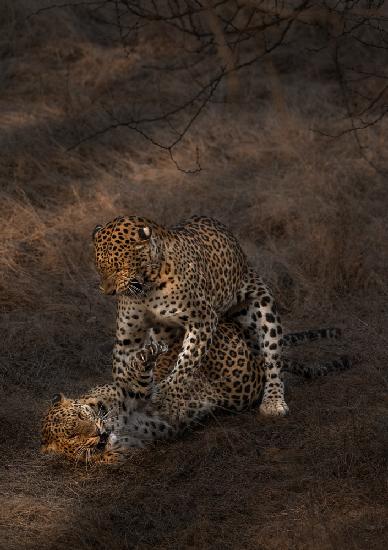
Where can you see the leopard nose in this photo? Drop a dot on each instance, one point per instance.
(108, 287)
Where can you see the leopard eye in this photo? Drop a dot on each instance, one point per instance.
(145, 233)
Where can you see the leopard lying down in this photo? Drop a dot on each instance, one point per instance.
(102, 425)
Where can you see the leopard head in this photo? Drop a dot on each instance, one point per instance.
(73, 429)
(125, 255)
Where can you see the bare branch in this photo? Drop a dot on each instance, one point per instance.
(212, 41)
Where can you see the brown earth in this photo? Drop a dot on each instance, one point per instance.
(312, 215)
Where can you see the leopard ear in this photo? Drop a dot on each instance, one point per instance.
(96, 230)
(57, 398)
(145, 233)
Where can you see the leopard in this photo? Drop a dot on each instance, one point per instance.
(105, 425)
(185, 278)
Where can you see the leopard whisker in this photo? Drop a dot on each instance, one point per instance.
(104, 415)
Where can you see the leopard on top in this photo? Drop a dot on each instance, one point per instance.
(186, 276)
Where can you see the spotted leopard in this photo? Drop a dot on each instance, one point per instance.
(187, 277)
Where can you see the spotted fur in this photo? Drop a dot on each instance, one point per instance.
(104, 424)
(187, 276)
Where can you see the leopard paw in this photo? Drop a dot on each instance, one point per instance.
(274, 407)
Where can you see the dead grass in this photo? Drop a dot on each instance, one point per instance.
(312, 215)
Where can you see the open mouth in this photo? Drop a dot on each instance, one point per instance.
(136, 288)
(104, 438)
(136, 285)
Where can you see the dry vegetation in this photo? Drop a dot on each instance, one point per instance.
(311, 212)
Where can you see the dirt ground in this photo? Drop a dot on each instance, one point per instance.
(312, 215)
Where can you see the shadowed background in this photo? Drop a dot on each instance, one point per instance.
(310, 211)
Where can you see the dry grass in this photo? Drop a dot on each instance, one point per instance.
(312, 215)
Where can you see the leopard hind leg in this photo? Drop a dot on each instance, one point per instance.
(256, 312)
